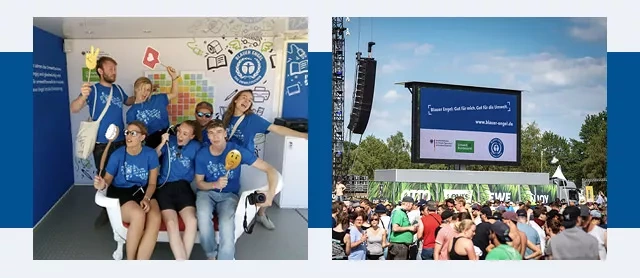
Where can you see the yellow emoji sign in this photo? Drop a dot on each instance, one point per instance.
(91, 58)
(232, 160)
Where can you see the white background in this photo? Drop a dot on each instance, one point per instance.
(173, 52)
(17, 246)
(481, 145)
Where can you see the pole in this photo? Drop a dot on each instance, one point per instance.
(541, 159)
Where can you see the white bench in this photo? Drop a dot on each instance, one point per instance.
(251, 180)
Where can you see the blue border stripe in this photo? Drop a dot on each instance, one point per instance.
(17, 141)
(320, 138)
(622, 153)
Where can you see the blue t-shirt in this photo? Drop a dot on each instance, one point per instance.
(153, 113)
(212, 167)
(182, 161)
(114, 113)
(131, 170)
(205, 138)
(532, 236)
(359, 252)
(251, 125)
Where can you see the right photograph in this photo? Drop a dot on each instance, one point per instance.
(469, 138)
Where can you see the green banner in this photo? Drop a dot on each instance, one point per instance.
(394, 191)
(94, 75)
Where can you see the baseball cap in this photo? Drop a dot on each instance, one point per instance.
(407, 199)
(497, 215)
(355, 204)
(432, 205)
(501, 230)
(510, 215)
(596, 214)
(552, 213)
(521, 213)
(584, 211)
(476, 207)
(421, 202)
(380, 208)
(571, 214)
(446, 214)
(486, 211)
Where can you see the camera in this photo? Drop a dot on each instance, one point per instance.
(256, 198)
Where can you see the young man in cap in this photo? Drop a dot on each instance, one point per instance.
(520, 241)
(530, 233)
(444, 235)
(431, 220)
(599, 233)
(573, 243)
(499, 235)
(401, 231)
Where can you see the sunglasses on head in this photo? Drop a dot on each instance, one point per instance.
(133, 133)
(206, 115)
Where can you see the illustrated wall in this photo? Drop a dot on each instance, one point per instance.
(212, 69)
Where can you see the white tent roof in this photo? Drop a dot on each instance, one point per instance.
(558, 174)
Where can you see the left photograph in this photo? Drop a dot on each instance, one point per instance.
(170, 138)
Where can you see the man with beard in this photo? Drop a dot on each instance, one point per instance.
(96, 97)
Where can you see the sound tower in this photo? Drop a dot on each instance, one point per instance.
(363, 97)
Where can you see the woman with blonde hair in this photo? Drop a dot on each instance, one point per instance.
(243, 125)
(461, 247)
(151, 109)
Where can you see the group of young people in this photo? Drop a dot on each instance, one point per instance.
(150, 171)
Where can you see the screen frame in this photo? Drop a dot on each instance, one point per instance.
(415, 88)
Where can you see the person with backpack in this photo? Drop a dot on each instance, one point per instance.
(340, 238)
(401, 231)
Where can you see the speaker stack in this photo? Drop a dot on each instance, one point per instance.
(363, 101)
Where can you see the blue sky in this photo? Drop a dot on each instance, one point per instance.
(559, 63)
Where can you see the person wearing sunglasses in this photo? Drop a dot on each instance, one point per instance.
(204, 115)
(151, 109)
(242, 126)
(131, 177)
(174, 195)
(219, 190)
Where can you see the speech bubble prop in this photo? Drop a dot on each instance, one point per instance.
(151, 58)
(91, 60)
(111, 134)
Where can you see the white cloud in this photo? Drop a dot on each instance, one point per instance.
(589, 29)
(417, 48)
(541, 71)
(392, 66)
(391, 96)
(558, 91)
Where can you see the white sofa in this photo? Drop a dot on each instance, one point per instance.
(251, 180)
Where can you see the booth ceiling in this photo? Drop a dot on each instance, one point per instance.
(171, 27)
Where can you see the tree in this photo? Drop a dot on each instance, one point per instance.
(583, 158)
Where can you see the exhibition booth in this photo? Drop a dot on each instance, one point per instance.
(206, 53)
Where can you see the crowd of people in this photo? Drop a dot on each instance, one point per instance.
(150, 169)
(457, 230)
